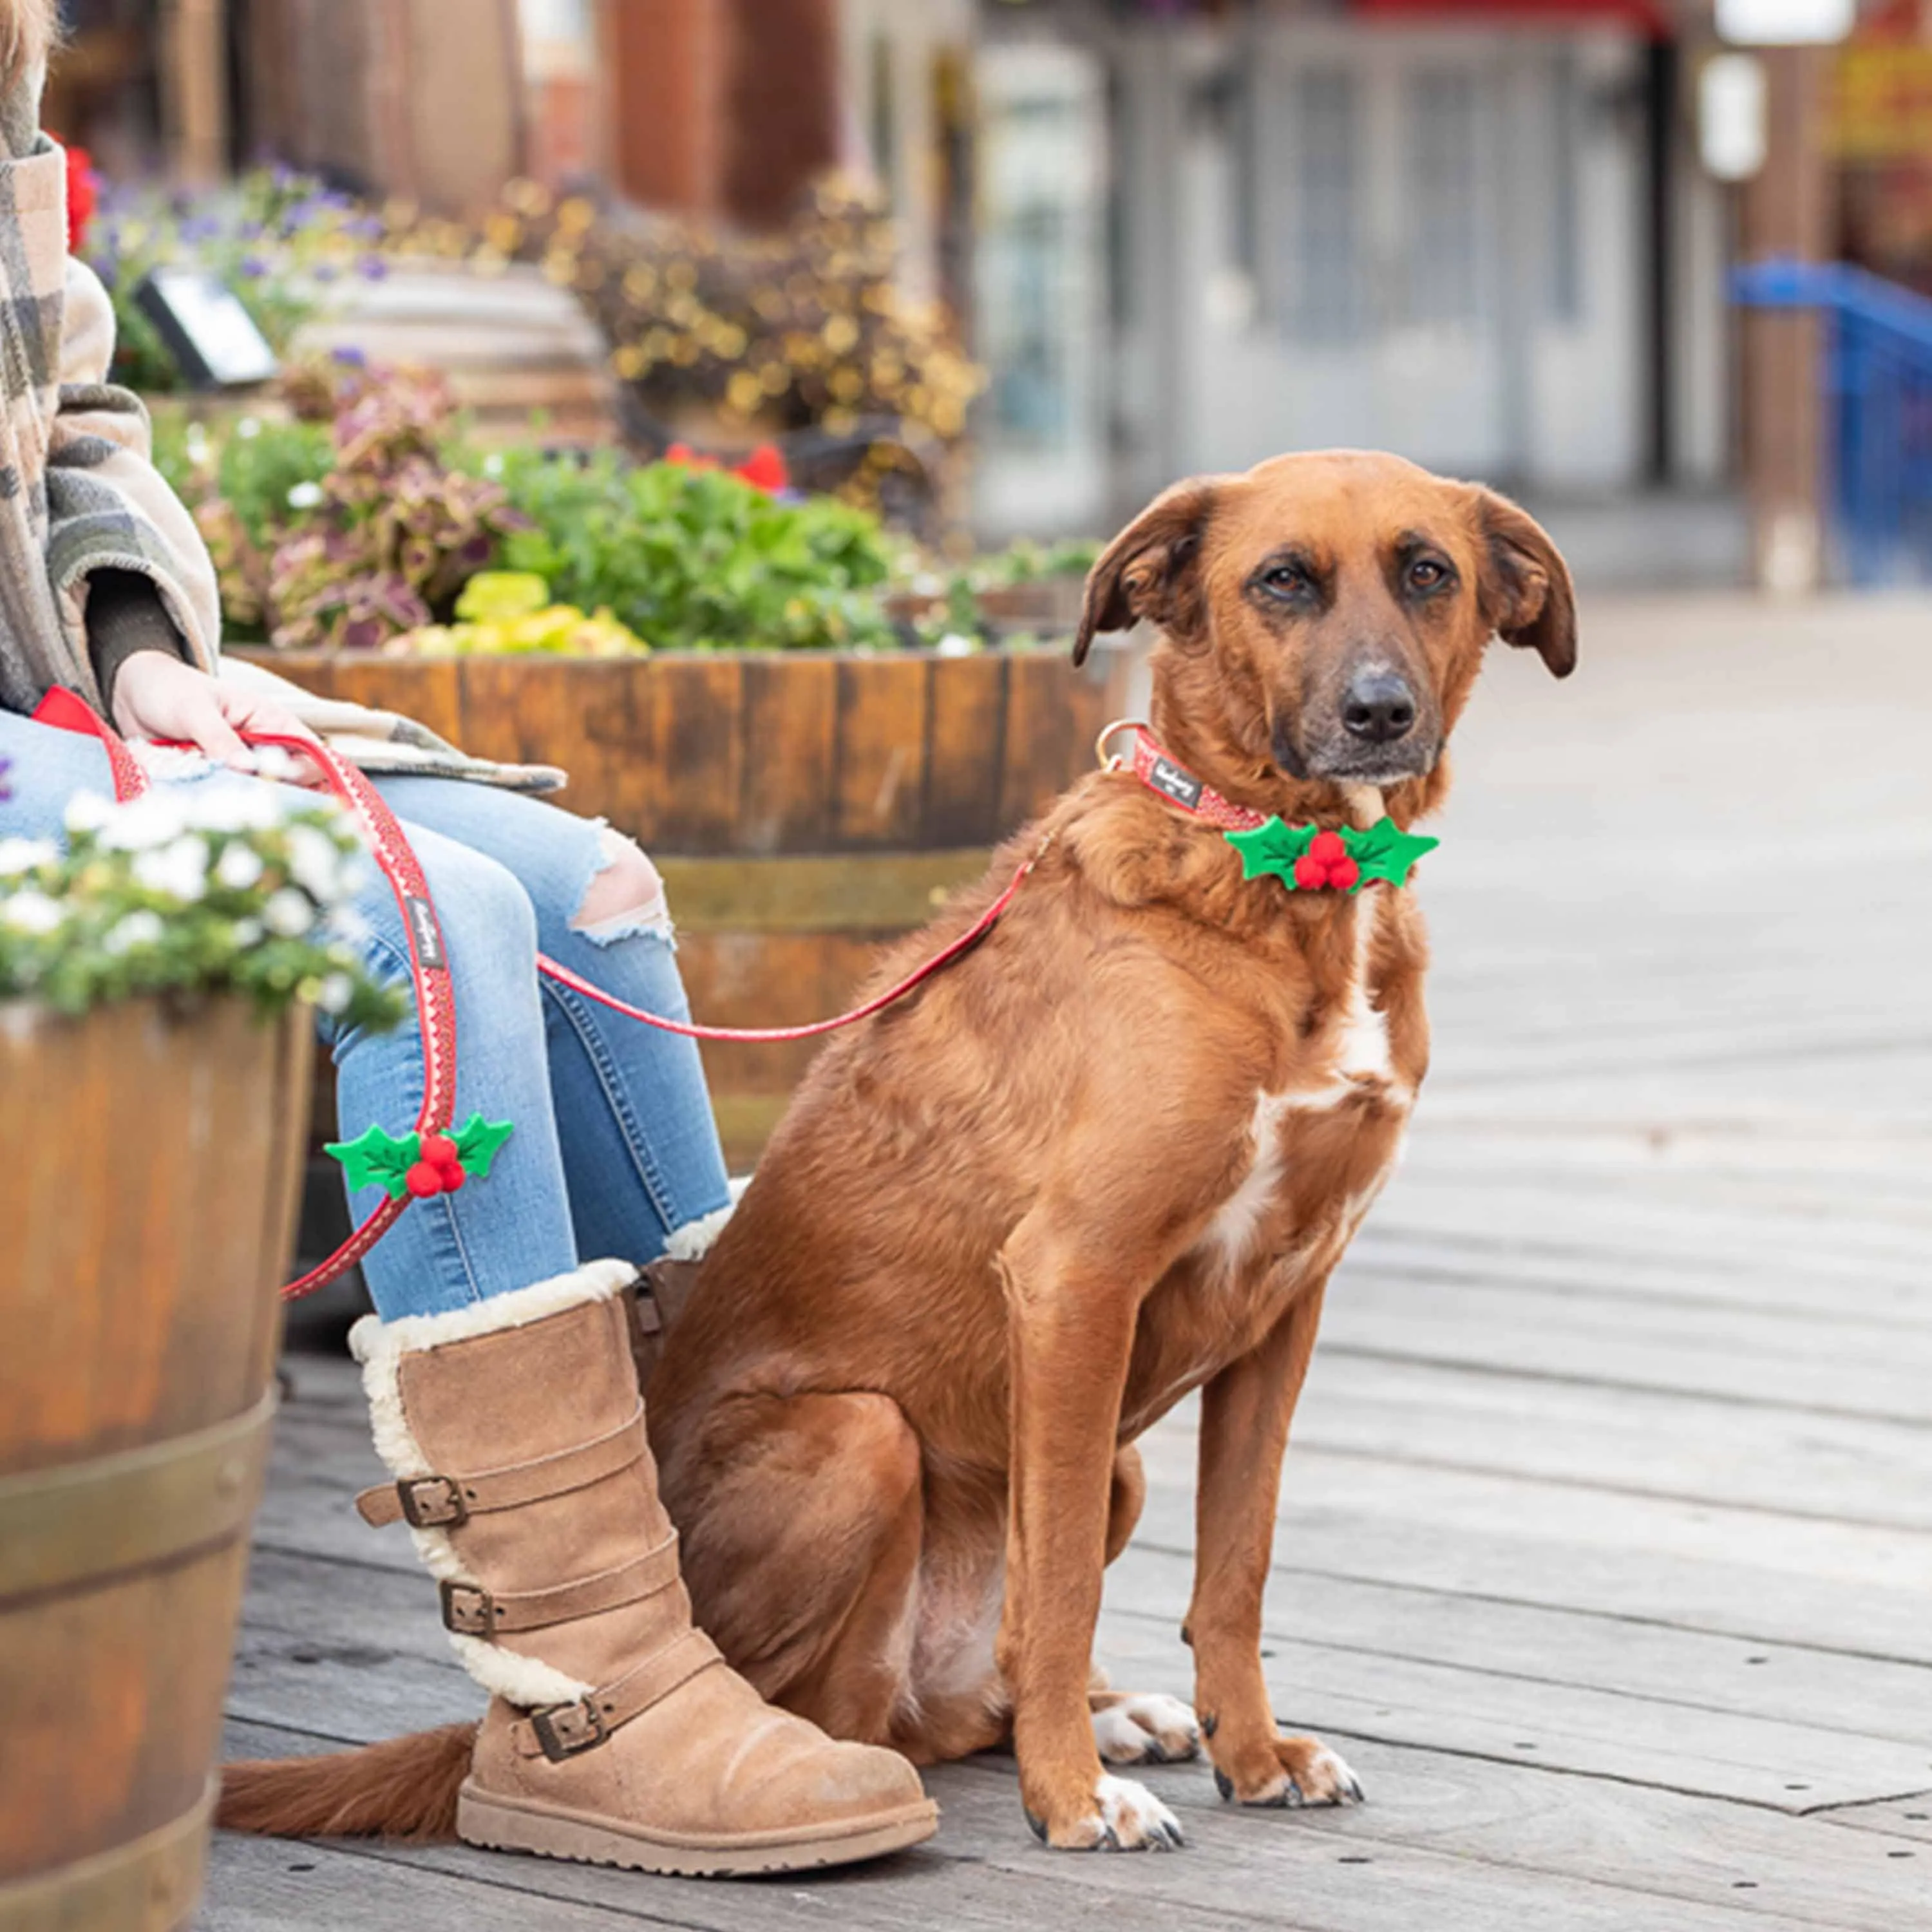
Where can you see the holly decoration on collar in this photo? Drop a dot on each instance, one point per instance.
(421, 1165)
(1307, 858)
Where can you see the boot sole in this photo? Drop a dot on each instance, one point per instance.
(503, 1824)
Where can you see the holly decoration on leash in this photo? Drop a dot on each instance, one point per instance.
(1307, 858)
(420, 1164)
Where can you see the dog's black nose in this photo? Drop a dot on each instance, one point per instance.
(1378, 707)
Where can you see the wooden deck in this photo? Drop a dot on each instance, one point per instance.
(1606, 1552)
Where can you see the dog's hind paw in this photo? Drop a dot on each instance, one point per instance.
(1146, 1729)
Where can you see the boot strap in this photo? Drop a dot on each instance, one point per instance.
(442, 1501)
(472, 1611)
(559, 1731)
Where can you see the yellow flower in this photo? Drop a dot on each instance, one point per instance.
(503, 232)
(575, 215)
(631, 361)
(743, 392)
(641, 282)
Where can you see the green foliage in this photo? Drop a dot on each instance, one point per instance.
(697, 559)
(189, 889)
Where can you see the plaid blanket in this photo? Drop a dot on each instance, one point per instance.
(77, 494)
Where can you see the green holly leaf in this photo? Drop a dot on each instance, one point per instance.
(1385, 851)
(377, 1160)
(1272, 848)
(477, 1142)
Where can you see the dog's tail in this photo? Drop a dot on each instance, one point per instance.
(405, 1788)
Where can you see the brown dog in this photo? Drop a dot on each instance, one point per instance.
(1109, 1159)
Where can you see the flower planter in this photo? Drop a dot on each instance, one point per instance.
(803, 807)
(149, 1161)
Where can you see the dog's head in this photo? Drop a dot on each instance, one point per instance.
(1325, 615)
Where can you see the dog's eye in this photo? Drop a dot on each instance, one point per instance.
(1426, 574)
(1283, 578)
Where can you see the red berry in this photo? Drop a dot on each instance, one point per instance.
(451, 1175)
(1328, 848)
(439, 1150)
(423, 1179)
(1343, 876)
(1310, 873)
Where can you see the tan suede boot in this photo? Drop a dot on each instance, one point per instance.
(616, 1733)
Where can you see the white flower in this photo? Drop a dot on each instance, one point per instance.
(155, 818)
(233, 807)
(197, 443)
(953, 645)
(347, 925)
(314, 863)
(248, 428)
(247, 932)
(305, 496)
(238, 867)
(335, 992)
(88, 812)
(493, 464)
(136, 928)
(180, 869)
(288, 912)
(22, 855)
(31, 912)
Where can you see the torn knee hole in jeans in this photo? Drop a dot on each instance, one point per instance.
(625, 898)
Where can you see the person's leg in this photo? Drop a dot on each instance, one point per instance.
(40, 769)
(640, 1147)
(498, 1233)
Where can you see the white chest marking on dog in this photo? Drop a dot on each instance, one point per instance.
(1365, 1040)
(1233, 1227)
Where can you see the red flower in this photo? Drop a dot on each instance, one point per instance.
(1326, 863)
(765, 469)
(83, 197)
(682, 454)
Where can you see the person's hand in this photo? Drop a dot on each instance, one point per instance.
(157, 696)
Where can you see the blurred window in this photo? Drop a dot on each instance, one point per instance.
(1322, 300)
(1566, 214)
(1442, 271)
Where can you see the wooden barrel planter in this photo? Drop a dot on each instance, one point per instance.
(803, 808)
(148, 1169)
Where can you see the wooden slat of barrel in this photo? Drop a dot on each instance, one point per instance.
(149, 1167)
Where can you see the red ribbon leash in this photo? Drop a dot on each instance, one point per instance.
(429, 957)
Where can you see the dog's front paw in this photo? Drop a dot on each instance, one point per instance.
(1146, 1729)
(1125, 1817)
(1288, 1772)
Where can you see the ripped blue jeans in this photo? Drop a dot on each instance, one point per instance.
(614, 1149)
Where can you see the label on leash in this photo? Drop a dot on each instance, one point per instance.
(1183, 786)
(423, 930)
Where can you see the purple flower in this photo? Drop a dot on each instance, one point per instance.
(254, 267)
(350, 357)
(200, 228)
(251, 231)
(326, 272)
(373, 268)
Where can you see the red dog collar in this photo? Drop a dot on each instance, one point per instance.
(1304, 858)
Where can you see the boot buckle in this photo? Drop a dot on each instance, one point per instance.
(565, 1729)
(431, 1502)
(466, 1610)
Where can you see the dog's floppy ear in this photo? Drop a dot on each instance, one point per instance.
(1527, 595)
(1143, 572)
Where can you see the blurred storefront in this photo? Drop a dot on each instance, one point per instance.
(1475, 235)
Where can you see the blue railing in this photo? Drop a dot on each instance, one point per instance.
(1877, 376)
